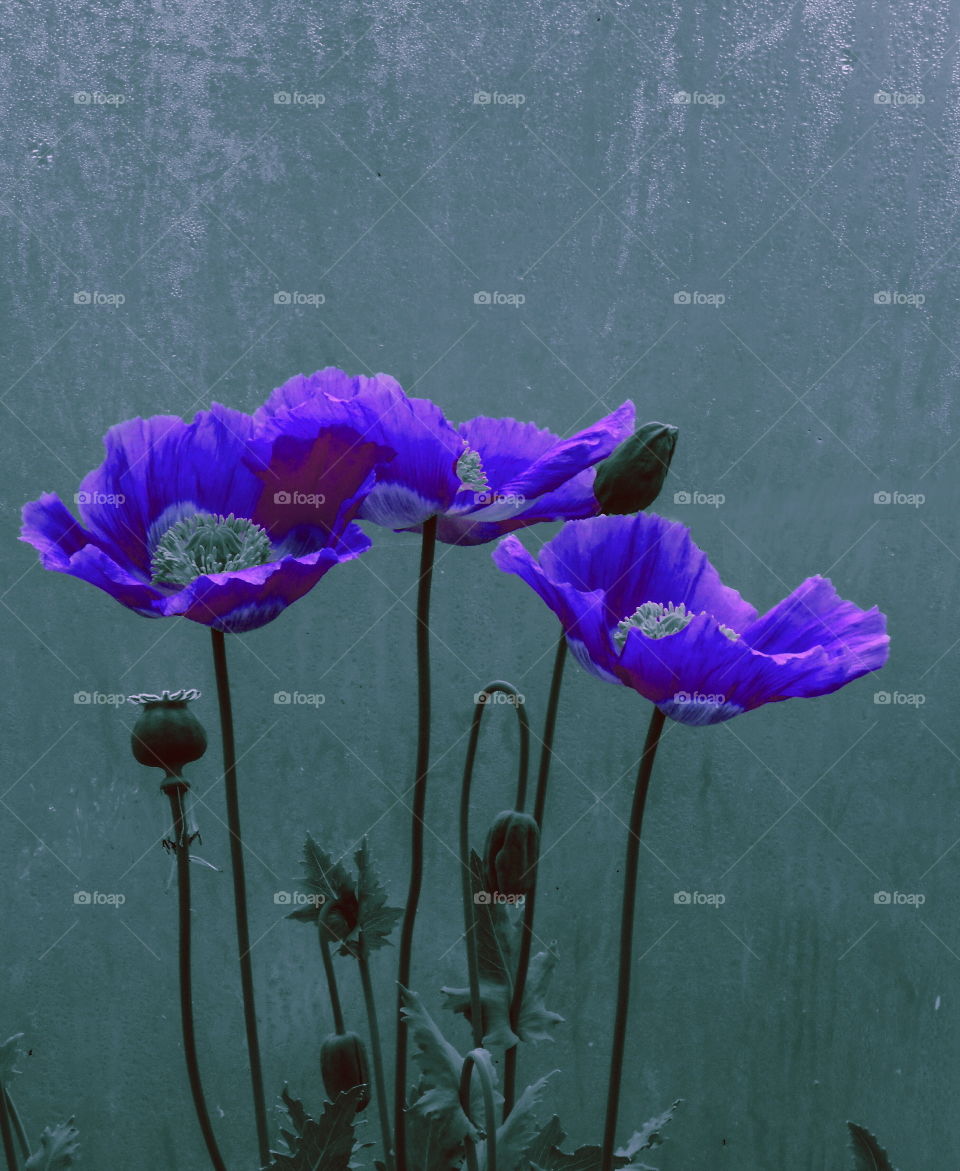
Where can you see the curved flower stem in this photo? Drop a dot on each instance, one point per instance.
(530, 903)
(7, 1132)
(323, 935)
(240, 891)
(466, 869)
(479, 1060)
(376, 1053)
(427, 550)
(626, 935)
(175, 789)
(17, 1125)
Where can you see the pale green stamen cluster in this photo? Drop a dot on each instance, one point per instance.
(654, 620)
(470, 470)
(203, 543)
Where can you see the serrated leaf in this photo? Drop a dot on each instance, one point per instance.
(440, 1065)
(427, 1146)
(323, 1144)
(520, 1129)
(10, 1054)
(322, 876)
(375, 920)
(649, 1136)
(867, 1153)
(58, 1148)
(498, 947)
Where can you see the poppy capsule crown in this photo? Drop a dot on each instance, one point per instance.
(167, 734)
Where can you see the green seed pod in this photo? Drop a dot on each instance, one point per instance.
(510, 853)
(167, 735)
(343, 1063)
(631, 477)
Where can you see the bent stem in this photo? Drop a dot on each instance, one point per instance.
(323, 935)
(427, 551)
(530, 903)
(479, 1059)
(240, 891)
(466, 867)
(376, 1053)
(175, 789)
(626, 935)
(7, 1132)
(17, 1125)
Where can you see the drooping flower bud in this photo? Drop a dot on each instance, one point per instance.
(631, 477)
(167, 734)
(343, 1063)
(510, 853)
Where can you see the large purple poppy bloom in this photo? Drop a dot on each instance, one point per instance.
(482, 479)
(642, 606)
(421, 481)
(210, 520)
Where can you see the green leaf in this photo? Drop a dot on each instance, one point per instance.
(322, 876)
(375, 920)
(428, 1146)
(867, 1153)
(323, 1144)
(649, 1136)
(58, 1148)
(440, 1065)
(518, 1132)
(10, 1054)
(498, 935)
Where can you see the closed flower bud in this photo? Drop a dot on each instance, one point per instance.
(167, 735)
(510, 853)
(343, 1063)
(631, 477)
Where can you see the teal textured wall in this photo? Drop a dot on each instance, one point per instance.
(783, 185)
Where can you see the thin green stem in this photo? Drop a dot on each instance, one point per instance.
(6, 1131)
(466, 868)
(175, 790)
(630, 867)
(240, 892)
(479, 1059)
(530, 903)
(427, 552)
(324, 936)
(376, 1054)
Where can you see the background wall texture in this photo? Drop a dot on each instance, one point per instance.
(798, 160)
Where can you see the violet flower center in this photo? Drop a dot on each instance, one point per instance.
(655, 620)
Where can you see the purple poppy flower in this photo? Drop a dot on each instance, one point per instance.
(210, 520)
(421, 481)
(515, 475)
(642, 606)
